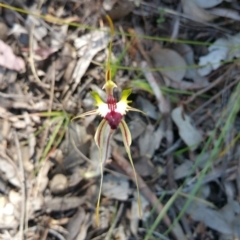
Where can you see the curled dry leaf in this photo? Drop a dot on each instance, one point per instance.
(9, 60)
(174, 63)
(189, 134)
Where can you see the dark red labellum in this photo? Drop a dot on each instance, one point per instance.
(113, 118)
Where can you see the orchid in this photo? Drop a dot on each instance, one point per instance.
(112, 112)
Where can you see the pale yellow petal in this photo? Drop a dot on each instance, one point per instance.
(127, 140)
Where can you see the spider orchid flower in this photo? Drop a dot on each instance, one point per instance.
(112, 112)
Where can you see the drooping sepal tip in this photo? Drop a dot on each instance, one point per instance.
(127, 140)
(102, 139)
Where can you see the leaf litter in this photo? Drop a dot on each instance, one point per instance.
(183, 150)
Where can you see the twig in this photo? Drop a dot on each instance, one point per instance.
(146, 191)
(23, 189)
(109, 234)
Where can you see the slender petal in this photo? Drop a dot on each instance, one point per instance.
(127, 140)
(92, 112)
(135, 110)
(102, 138)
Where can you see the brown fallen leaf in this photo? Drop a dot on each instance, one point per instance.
(9, 60)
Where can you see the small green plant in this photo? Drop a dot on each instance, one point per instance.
(162, 15)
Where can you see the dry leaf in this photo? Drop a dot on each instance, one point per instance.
(75, 223)
(150, 141)
(191, 73)
(212, 61)
(191, 8)
(147, 107)
(189, 134)
(9, 60)
(226, 13)
(115, 187)
(222, 49)
(183, 170)
(144, 167)
(208, 3)
(163, 104)
(174, 63)
(224, 221)
(88, 46)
